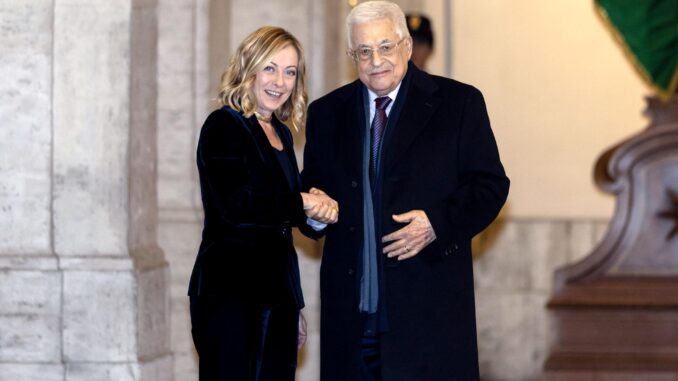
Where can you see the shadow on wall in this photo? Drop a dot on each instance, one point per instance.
(306, 246)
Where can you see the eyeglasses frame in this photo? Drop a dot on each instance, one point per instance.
(353, 53)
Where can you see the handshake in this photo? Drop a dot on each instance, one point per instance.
(320, 207)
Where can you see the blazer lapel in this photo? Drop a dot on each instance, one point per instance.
(263, 147)
(418, 107)
(261, 141)
(266, 151)
(288, 144)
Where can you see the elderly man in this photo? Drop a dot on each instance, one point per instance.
(414, 166)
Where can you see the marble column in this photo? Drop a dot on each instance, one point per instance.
(83, 284)
(30, 283)
(183, 100)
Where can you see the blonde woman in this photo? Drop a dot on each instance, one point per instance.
(245, 292)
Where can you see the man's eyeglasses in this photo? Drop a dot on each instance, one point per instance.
(365, 53)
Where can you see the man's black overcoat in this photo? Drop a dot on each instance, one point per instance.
(439, 156)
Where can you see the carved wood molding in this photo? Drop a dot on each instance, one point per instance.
(616, 311)
(642, 172)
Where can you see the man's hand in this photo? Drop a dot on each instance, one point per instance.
(320, 207)
(411, 239)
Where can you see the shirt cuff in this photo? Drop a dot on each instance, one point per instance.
(315, 225)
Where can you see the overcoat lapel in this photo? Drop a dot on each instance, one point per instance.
(420, 105)
(351, 133)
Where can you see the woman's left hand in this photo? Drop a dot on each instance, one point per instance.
(301, 340)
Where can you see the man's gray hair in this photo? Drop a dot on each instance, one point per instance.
(376, 10)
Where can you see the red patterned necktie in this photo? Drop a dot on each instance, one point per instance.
(378, 125)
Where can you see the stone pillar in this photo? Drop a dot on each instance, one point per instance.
(179, 106)
(83, 284)
(30, 283)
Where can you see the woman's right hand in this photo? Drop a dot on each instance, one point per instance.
(320, 207)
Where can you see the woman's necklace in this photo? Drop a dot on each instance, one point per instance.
(263, 118)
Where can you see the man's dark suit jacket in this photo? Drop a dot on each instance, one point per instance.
(246, 251)
(439, 156)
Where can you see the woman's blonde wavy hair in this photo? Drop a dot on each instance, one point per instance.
(253, 54)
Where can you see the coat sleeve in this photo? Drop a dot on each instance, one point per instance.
(483, 185)
(311, 174)
(236, 188)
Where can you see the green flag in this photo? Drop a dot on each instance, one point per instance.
(648, 32)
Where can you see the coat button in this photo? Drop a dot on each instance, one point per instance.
(452, 249)
(351, 229)
(350, 272)
(354, 184)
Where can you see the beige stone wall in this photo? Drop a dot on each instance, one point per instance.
(83, 285)
(182, 72)
(559, 92)
(513, 266)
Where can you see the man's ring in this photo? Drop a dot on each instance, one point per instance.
(407, 249)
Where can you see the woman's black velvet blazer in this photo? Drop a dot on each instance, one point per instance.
(246, 251)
